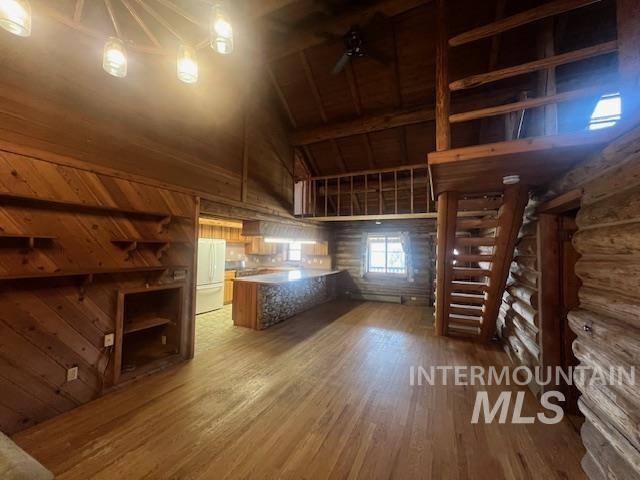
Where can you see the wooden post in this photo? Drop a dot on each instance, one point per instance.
(547, 79)
(411, 189)
(446, 237)
(443, 95)
(629, 58)
(395, 192)
(315, 198)
(338, 179)
(326, 197)
(366, 194)
(245, 160)
(351, 196)
(549, 292)
(380, 206)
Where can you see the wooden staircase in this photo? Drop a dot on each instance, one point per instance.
(473, 259)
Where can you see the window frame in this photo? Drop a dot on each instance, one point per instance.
(601, 122)
(397, 238)
(289, 250)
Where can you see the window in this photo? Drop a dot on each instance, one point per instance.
(385, 255)
(607, 112)
(295, 252)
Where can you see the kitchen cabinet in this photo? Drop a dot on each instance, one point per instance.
(229, 275)
(319, 249)
(257, 246)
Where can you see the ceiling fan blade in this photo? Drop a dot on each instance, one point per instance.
(341, 64)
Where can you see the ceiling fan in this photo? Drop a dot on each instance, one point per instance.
(359, 42)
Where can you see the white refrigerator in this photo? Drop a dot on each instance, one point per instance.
(210, 275)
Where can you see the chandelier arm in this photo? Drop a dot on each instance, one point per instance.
(112, 15)
(176, 9)
(78, 10)
(141, 23)
(160, 19)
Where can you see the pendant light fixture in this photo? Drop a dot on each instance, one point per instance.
(114, 59)
(15, 17)
(221, 31)
(187, 64)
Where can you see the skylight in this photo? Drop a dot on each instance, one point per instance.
(607, 112)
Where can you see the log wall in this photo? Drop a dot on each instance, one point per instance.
(347, 251)
(517, 323)
(52, 323)
(607, 321)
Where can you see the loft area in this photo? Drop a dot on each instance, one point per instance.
(243, 239)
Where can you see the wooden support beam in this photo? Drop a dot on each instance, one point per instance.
(628, 12)
(544, 11)
(510, 218)
(161, 20)
(262, 8)
(446, 236)
(532, 103)
(245, 159)
(366, 124)
(490, 77)
(443, 95)
(315, 34)
(112, 16)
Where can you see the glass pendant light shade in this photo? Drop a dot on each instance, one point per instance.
(114, 59)
(221, 31)
(187, 64)
(15, 17)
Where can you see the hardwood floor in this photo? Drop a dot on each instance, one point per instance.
(322, 395)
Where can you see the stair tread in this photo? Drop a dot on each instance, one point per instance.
(467, 307)
(467, 282)
(469, 295)
(471, 269)
(458, 316)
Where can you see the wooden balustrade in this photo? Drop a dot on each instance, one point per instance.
(391, 192)
(547, 98)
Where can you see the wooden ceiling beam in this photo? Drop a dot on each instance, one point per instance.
(112, 16)
(363, 125)
(160, 19)
(544, 11)
(184, 14)
(261, 8)
(314, 35)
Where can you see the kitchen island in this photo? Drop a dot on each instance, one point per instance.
(260, 301)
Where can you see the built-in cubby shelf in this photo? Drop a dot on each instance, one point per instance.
(148, 328)
(144, 322)
(132, 244)
(89, 272)
(56, 203)
(29, 239)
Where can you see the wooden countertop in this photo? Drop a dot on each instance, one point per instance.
(282, 278)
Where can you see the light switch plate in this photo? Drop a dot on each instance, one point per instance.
(109, 339)
(72, 374)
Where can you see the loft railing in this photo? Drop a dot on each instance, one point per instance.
(548, 97)
(401, 192)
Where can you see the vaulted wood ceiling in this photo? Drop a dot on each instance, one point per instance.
(375, 115)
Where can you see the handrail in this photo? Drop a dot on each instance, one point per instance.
(554, 61)
(532, 103)
(362, 173)
(543, 11)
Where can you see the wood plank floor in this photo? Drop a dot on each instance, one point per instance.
(322, 395)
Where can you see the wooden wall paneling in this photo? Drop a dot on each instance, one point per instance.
(628, 12)
(49, 325)
(443, 95)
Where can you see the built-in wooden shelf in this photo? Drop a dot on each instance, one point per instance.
(145, 322)
(132, 244)
(89, 272)
(56, 203)
(31, 239)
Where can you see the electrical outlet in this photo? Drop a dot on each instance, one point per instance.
(109, 339)
(72, 374)
(179, 274)
(164, 339)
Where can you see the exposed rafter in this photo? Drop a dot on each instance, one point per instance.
(316, 34)
(141, 23)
